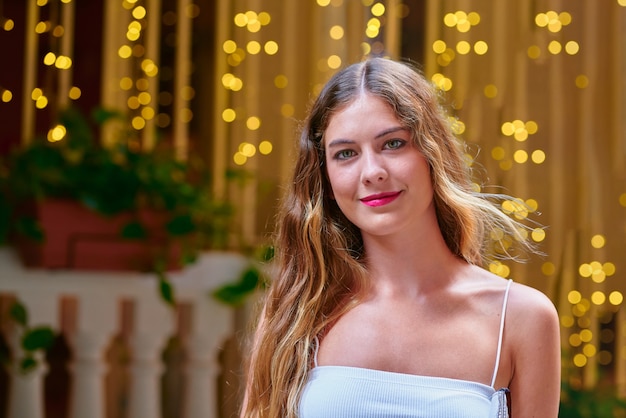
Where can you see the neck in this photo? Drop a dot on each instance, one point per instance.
(411, 263)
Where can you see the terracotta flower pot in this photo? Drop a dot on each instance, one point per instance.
(79, 238)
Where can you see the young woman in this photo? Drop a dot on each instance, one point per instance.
(380, 308)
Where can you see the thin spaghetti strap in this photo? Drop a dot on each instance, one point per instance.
(317, 347)
(500, 336)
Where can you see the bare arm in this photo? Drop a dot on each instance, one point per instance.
(536, 355)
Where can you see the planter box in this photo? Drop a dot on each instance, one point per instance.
(79, 238)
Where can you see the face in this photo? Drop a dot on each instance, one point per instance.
(379, 179)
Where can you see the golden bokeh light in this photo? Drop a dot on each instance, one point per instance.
(239, 158)
(598, 298)
(490, 91)
(439, 46)
(598, 241)
(75, 93)
(287, 110)
(271, 47)
(538, 234)
(589, 350)
(574, 340)
(58, 31)
(481, 47)
(574, 297)
(229, 115)
(147, 113)
(548, 268)
(57, 133)
(8, 25)
(498, 153)
(149, 67)
(463, 47)
(378, 9)
(41, 102)
(144, 98)
(538, 156)
(187, 93)
(533, 52)
(229, 46)
(253, 123)
(63, 63)
(572, 47)
(520, 156)
(133, 102)
(247, 149)
(497, 267)
(186, 115)
(336, 32)
(125, 51)
(138, 123)
(7, 96)
(265, 147)
(555, 47)
(334, 62)
(281, 81)
(582, 81)
(609, 268)
(49, 59)
(253, 47)
(139, 12)
(616, 298)
(142, 84)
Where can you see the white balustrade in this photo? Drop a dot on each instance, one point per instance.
(99, 297)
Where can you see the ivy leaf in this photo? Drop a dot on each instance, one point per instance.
(165, 287)
(167, 292)
(30, 228)
(38, 338)
(234, 294)
(19, 314)
(181, 225)
(134, 230)
(267, 253)
(27, 364)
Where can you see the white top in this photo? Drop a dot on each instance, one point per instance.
(353, 392)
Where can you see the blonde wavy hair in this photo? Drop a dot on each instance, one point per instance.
(320, 255)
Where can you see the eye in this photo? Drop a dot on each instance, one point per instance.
(394, 144)
(344, 154)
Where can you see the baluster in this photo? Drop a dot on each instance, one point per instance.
(202, 367)
(153, 324)
(96, 323)
(26, 389)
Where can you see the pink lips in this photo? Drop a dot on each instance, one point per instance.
(380, 199)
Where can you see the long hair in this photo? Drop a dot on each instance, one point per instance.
(320, 253)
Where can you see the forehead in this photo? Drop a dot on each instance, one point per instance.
(366, 113)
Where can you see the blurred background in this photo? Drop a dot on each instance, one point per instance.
(535, 88)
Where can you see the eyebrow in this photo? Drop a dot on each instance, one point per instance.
(343, 141)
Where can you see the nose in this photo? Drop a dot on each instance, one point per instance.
(373, 169)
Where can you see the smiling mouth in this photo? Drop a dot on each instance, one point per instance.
(380, 199)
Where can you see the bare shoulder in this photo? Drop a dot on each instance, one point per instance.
(533, 348)
(534, 322)
(529, 307)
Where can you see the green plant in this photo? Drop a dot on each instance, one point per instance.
(73, 164)
(598, 402)
(251, 279)
(33, 339)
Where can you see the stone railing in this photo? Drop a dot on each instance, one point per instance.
(98, 298)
